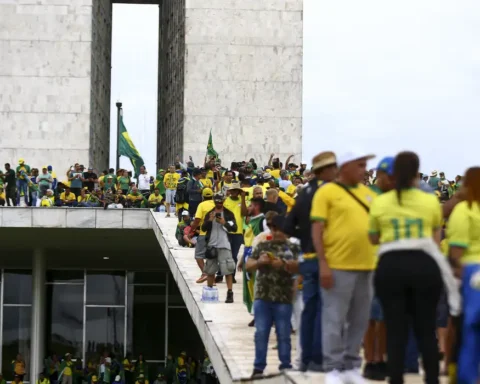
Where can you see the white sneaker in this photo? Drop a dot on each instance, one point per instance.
(334, 377)
(354, 376)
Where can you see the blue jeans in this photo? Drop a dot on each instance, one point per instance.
(22, 186)
(411, 353)
(34, 198)
(311, 328)
(268, 313)
(469, 358)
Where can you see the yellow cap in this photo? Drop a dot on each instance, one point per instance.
(94, 378)
(21, 161)
(207, 192)
(44, 167)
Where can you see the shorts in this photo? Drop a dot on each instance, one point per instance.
(376, 311)
(201, 247)
(223, 263)
(170, 196)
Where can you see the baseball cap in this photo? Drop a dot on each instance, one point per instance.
(219, 197)
(207, 192)
(44, 167)
(185, 213)
(350, 156)
(386, 165)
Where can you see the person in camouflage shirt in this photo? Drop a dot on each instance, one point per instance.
(276, 261)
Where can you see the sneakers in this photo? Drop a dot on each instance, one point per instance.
(374, 371)
(202, 278)
(229, 296)
(334, 377)
(354, 376)
(257, 374)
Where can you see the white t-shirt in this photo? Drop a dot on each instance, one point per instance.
(143, 181)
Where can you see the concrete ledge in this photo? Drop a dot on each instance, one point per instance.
(27, 217)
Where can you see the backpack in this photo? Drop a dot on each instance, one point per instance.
(181, 195)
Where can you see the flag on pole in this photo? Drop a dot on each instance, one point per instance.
(210, 150)
(127, 148)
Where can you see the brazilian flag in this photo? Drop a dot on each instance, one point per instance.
(127, 148)
(210, 150)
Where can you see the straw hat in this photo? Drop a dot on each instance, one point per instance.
(323, 159)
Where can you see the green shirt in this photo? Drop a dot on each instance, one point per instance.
(160, 185)
(124, 182)
(23, 168)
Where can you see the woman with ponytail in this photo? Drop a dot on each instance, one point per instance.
(406, 222)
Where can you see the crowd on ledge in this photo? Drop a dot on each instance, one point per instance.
(78, 186)
(110, 369)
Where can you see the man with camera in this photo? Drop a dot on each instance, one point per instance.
(217, 224)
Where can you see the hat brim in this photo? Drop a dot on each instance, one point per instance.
(362, 157)
(324, 163)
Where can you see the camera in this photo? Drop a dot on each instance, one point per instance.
(218, 215)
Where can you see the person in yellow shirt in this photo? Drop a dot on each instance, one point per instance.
(3, 198)
(170, 181)
(463, 229)
(346, 262)
(408, 281)
(206, 182)
(42, 379)
(155, 200)
(203, 208)
(236, 203)
(67, 198)
(19, 367)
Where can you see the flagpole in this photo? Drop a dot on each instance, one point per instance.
(119, 112)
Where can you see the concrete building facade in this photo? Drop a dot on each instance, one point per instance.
(230, 66)
(55, 60)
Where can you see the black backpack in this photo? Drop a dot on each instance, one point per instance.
(181, 196)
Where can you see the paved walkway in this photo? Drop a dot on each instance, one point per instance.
(223, 327)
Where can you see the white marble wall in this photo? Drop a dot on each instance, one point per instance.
(244, 78)
(18, 217)
(45, 86)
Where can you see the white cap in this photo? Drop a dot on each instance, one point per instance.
(350, 156)
(185, 213)
(117, 378)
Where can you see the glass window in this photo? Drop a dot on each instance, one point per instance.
(146, 321)
(16, 338)
(106, 288)
(154, 277)
(65, 319)
(174, 295)
(74, 277)
(17, 286)
(104, 331)
(183, 334)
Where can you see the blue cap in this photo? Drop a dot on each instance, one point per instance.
(386, 165)
(49, 167)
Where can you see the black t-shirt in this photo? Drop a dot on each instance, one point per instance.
(89, 184)
(10, 177)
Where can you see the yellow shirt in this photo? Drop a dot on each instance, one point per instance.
(203, 208)
(462, 231)
(287, 200)
(70, 197)
(68, 369)
(171, 180)
(249, 195)
(417, 216)
(155, 199)
(2, 196)
(345, 239)
(291, 190)
(235, 206)
(275, 173)
(207, 183)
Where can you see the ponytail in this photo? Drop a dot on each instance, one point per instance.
(405, 171)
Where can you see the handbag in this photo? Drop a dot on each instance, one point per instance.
(211, 253)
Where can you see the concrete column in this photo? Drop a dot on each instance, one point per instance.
(37, 348)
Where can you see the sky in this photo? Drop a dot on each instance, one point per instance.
(379, 77)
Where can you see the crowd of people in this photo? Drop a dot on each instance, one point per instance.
(316, 247)
(352, 257)
(109, 369)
